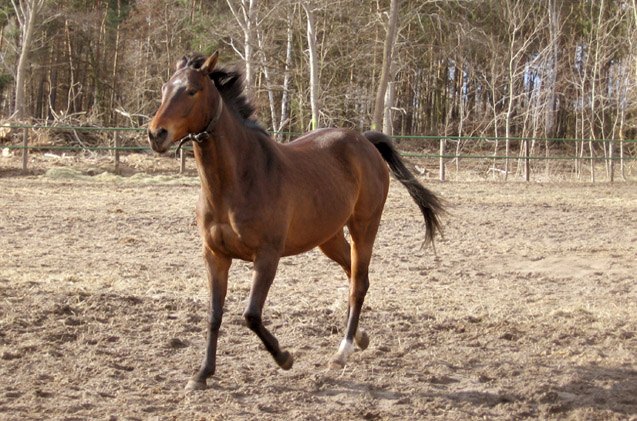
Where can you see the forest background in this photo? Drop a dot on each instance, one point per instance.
(540, 69)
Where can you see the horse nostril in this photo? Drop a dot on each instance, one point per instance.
(157, 135)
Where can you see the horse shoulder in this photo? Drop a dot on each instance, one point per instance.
(239, 228)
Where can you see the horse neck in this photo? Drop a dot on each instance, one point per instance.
(230, 153)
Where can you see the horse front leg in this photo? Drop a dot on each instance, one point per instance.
(265, 266)
(217, 268)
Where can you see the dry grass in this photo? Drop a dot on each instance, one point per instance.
(528, 311)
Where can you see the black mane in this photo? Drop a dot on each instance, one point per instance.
(230, 82)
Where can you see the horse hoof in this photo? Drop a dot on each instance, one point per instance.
(337, 364)
(285, 361)
(362, 339)
(195, 385)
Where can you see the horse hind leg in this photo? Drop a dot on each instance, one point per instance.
(363, 236)
(338, 249)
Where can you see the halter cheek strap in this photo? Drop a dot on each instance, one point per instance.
(202, 136)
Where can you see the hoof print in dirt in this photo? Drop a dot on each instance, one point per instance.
(176, 343)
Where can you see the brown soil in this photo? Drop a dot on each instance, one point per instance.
(529, 309)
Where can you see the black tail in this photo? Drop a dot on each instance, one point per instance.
(430, 205)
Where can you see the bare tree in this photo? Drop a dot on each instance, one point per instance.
(314, 68)
(518, 48)
(452, 67)
(388, 49)
(632, 35)
(554, 33)
(27, 12)
(245, 15)
(285, 96)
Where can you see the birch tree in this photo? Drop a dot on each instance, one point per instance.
(285, 96)
(336, 62)
(314, 68)
(27, 13)
(245, 15)
(388, 49)
(518, 48)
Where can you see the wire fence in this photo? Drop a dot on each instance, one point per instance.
(585, 155)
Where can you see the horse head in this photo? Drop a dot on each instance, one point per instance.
(186, 104)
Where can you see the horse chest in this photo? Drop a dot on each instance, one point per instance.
(223, 238)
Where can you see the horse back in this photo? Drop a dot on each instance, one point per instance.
(332, 175)
(336, 157)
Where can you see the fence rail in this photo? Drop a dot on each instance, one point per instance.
(523, 154)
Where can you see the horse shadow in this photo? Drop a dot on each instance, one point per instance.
(603, 389)
(611, 389)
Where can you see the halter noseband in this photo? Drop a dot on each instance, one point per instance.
(202, 136)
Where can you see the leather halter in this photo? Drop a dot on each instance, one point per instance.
(202, 136)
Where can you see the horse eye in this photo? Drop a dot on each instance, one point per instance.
(191, 92)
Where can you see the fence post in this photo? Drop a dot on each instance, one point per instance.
(611, 152)
(442, 158)
(527, 166)
(25, 149)
(116, 143)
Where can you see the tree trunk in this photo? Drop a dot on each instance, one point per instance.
(247, 21)
(388, 48)
(285, 96)
(389, 103)
(1, 37)
(461, 98)
(314, 79)
(509, 112)
(593, 90)
(496, 133)
(71, 95)
(551, 110)
(269, 86)
(248, 43)
(26, 12)
(115, 63)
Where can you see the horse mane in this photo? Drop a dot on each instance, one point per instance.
(230, 83)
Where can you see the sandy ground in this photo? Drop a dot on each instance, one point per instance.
(529, 309)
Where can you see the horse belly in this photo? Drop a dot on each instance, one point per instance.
(313, 226)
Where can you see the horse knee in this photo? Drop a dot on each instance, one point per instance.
(214, 323)
(363, 285)
(214, 320)
(253, 321)
(359, 289)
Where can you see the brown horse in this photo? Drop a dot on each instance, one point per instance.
(261, 200)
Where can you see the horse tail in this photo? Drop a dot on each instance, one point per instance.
(430, 205)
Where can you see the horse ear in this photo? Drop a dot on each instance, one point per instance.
(210, 63)
(181, 63)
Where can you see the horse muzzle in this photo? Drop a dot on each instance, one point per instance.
(159, 139)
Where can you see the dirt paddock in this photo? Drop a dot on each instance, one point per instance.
(529, 309)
